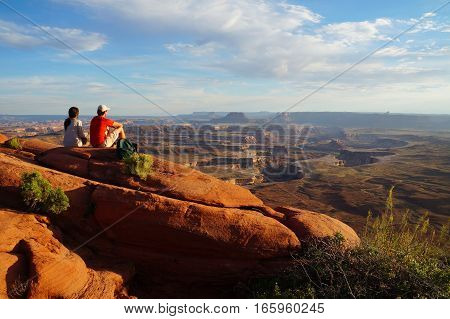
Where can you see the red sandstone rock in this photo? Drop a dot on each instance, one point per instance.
(309, 225)
(35, 146)
(3, 138)
(11, 169)
(184, 233)
(27, 156)
(68, 164)
(161, 224)
(53, 271)
(196, 242)
(238, 231)
(12, 272)
(169, 179)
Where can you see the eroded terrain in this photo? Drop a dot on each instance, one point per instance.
(344, 172)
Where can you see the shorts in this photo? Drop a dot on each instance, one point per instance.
(111, 138)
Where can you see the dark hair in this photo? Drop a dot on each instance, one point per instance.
(100, 113)
(73, 113)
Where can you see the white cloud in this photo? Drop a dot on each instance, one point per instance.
(261, 38)
(429, 15)
(357, 32)
(428, 25)
(276, 42)
(425, 51)
(97, 87)
(183, 96)
(27, 36)
(207, 16)
(392, 51)
(194, 49)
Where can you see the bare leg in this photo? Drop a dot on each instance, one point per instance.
(122, 133)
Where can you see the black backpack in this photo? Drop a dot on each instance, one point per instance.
(125, 148)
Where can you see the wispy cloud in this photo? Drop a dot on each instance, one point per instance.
(256, 37)
(26, 36)
(264, 38)
(393, 51)
(352, 33)
(193, 54)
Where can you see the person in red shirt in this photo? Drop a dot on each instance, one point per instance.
(105, 132)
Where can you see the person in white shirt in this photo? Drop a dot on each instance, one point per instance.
(74, 135)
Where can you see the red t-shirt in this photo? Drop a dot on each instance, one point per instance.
(99, 124)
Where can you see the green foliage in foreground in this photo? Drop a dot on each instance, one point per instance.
(39, 195)
(13, 143)
(396, 259)
(139, 165)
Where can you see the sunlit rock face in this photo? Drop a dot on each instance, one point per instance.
(179, 225)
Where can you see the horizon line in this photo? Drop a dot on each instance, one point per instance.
(252, 112)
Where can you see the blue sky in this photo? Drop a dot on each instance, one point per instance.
(224, 55)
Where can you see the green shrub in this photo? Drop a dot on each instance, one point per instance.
(139, 165)
(13, 143)
(396, 259)
(39, 195)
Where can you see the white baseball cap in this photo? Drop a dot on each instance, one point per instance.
(103, 108)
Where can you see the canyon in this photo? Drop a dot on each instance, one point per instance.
(179, 233)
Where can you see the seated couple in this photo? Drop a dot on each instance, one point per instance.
(103, 131)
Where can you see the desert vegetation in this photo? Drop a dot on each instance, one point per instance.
(139, 165)
(39, 195)
(13, 143)
(396, 259)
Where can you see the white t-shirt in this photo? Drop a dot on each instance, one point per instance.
(74, 134)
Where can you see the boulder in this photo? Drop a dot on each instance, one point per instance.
(35, 146)
(168, 179)
(164, 225)
(309, 226)
(52, 270)
(68, 164)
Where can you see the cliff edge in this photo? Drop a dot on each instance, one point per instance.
(185, 233)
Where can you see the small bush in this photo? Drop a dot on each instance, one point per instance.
(39, 195)
(396, 259)
(13, 143)
(139, 165)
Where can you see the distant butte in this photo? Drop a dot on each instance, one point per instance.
(233, 118)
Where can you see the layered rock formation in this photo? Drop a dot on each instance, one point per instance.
(314, 226)
(179, 226)
(169, 179)
(351, 158)
(275, 172)
(356, 158)
(34, 264)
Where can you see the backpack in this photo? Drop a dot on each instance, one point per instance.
(125, 148)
